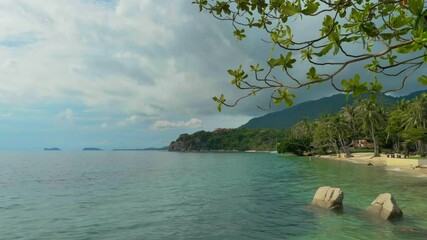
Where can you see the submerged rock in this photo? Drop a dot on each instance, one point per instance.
(328, 197)
(385, 207)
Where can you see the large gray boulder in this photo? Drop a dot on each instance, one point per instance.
(385, 207)
(328, 197)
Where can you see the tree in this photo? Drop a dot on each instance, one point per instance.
(349, 113)
(395, 127)
(415, 122)
(299, 140)
(372, 117)
(323, 136)
(387, 37)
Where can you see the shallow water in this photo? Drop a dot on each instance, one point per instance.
(162, 195)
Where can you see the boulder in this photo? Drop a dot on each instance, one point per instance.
(385, 207)
(328, 197)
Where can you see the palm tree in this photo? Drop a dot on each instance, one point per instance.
(349, 113)
(415, 121)
(371, 116)
(323, 136)
(340, 127)
(395, 127)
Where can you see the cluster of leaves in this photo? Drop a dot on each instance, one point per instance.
(388, 38)
(230, 140)
(406, 128)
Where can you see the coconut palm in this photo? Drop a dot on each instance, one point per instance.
(349, 113)
(340, 127)
(395, 127)
(372, 117)
(415, 122)
(323, 135)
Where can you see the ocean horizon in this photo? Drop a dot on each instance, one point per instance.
(170, 195)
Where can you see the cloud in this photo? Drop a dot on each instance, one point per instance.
(192, 123)
(66, 115)
(130, 120)
(127, 63)
(147, 58)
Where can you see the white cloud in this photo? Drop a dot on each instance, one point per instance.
(67, 115)
(126, 56)
(192, 123)
(130, 120)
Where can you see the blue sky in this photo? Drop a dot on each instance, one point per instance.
(118, 74)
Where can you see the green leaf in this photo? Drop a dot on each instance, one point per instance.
(289, 102)
(219, 107)
(423, 80)
(407, 48)
(275, 37)
(370, 29)
(350, 39)
(239, 34)
(360, 89)
(289, 9)
(325, 50)
(311, 8)
(312, 74)
(416, 6)
(277, 100)
(387, 36)
(376, 86)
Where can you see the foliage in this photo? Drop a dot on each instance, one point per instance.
(372, 117)
(299, 139)
(229, 140)
(387, 38)
(403, 127)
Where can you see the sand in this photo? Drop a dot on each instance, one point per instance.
(366, 158)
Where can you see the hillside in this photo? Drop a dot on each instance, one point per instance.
(311, 110)
(228, 140)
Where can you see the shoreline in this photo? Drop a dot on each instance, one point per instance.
(365, 158)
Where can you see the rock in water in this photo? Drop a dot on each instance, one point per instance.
(328, 197)
(385, 207)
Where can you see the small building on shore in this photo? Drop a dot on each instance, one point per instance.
(363, 143)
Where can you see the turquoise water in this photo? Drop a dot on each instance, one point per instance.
(162, 195)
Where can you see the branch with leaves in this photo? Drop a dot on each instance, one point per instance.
(390, 37)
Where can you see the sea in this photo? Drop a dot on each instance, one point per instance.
(169, 195)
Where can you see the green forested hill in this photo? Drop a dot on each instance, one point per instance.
(229, 140)
(263, 133)
(312, 110)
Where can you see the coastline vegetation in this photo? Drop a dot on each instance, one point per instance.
(229, 140)
(398, 129)
(365, 125)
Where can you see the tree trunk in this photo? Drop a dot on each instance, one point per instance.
(344, 147)
(376, 150)
(335, 146)
(421, 148)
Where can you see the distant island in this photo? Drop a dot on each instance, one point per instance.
(91, 149)
(52, 149)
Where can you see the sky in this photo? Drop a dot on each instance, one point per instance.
(120, 73)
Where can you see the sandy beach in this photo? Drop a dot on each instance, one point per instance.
(366, 158)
